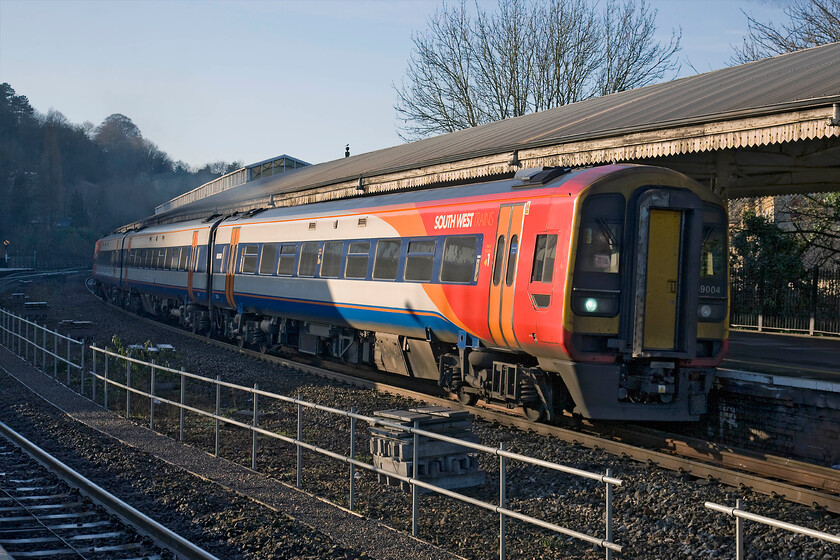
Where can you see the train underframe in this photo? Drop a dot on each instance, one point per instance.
(544, 388)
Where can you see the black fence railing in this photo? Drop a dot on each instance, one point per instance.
(36, 262)
(810, 304)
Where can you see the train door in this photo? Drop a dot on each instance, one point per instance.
(669, 237)
(503, 282)
(663, 279)
(191, 265)
(125, 262)
(231, 267)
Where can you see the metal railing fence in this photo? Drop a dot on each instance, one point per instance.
(31, 342)
(126, 363)
(23, 337)
(233, 179)
(36, 262)
(741, 515)
(808, 305)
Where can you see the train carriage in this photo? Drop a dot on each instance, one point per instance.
(107, 264)
(601, 291)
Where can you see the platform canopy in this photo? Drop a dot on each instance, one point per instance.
(765, 128)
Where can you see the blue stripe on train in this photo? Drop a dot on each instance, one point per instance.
(386, 319)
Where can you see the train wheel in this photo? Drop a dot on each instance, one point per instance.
(534, 412)
(467, 399)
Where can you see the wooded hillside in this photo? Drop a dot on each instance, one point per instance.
(63, 185)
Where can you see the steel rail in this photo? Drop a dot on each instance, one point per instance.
(813, 476)
(144, 524)
(717, 468)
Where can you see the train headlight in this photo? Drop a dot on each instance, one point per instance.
(711, 311)
(600, 303)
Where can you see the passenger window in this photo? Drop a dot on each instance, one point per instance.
(286, 265)
(543, 270)
(500, 257)
(387, 259)
(331, 259)
(249, 259)
(420, 260)
(185, 257)
(459, 259)
(308, 258)
(267, 258)
(201, 259)
(219, 259)
(161, 259)
(511, 264)
(174, 258)
(358, 256)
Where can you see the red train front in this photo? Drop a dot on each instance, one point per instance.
(603, 292)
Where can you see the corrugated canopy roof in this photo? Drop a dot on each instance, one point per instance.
(793, 82)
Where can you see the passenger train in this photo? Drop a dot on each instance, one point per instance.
(599, 291)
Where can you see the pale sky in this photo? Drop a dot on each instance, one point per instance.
(249, 80)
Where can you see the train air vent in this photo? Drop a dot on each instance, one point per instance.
(362, 222)
(539, 175)
(311, 226)
(335, 224)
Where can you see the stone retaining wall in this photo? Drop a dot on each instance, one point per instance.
(786, 421)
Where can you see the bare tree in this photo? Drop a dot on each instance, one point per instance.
(815, 220)
(631, 56)
(472, 67)
(811, 23)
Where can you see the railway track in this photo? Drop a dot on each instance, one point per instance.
(795, 481)
(7, 282)
(47, 510)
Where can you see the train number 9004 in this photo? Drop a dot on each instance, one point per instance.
(708, 289)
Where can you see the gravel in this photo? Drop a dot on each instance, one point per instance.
(657, 513)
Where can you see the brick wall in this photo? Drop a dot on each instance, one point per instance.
(784, 421)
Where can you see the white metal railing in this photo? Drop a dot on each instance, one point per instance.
(232, 179)
(125, 367)
(740, 514)
(23, 336)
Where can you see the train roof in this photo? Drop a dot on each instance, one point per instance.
(795, 81)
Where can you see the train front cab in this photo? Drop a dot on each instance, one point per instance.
(646, 314)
